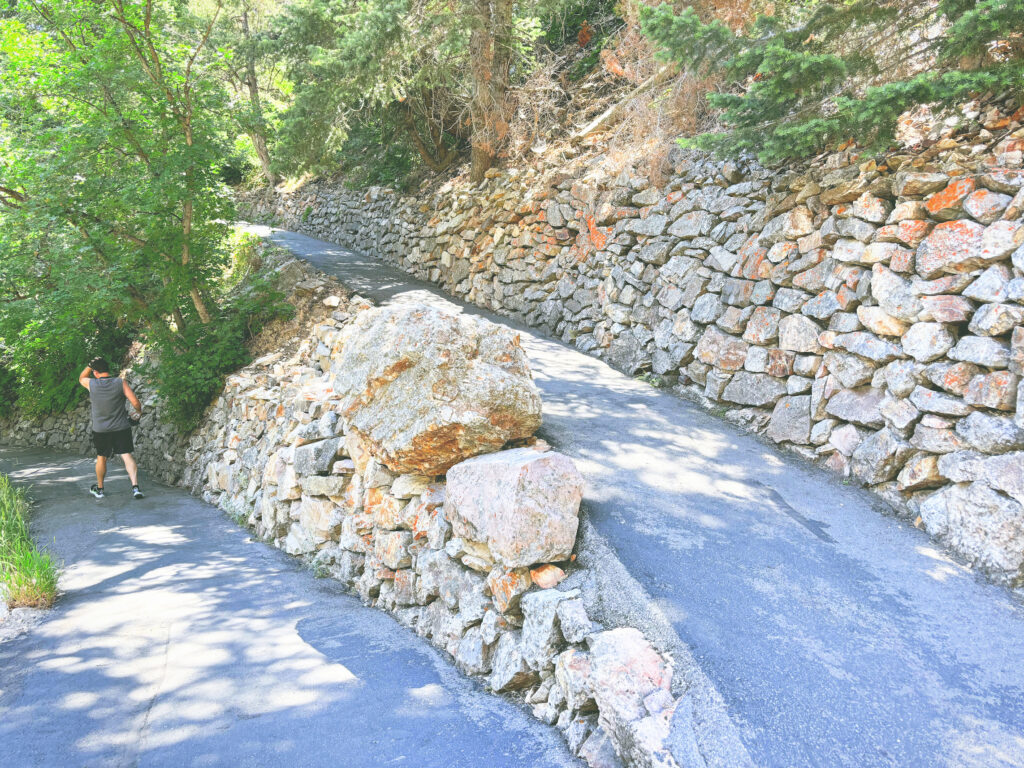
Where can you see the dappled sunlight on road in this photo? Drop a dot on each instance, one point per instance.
(180, 641)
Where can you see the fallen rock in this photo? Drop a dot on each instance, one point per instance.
(426, 388)
(522, 504)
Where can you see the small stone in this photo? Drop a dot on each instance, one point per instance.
(316, 458)
(1000, 240)
(961, 466)
(949, 203)
(991, 286)
(547, 575)
(753, 389)
(877, 320)
(995, 319)
(573, 620)
(897, 412)
(936, 439)
(791, 420)
(878, 457)
(920, 471)
(927, 341)
(721, 350)
(763, 326)
(901, 377)
(869, 346)
(507, 586)
(991, 434)
(954, 246)
(859, 406)
(541, 635)
(981, 351)
(985, 206)
(894, 294)
(509, 671)
(871, 208)
(980, 523)
(850, 370)
(946, 309)
(799, 334)
(938, 402)
(994, 390)
(845, 439)
(917, 183)
(952, 377)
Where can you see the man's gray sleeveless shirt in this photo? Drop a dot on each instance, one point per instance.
(106, 396)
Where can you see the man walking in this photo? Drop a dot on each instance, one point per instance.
(111, 427)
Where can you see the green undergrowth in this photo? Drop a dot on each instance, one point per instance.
(28, 575)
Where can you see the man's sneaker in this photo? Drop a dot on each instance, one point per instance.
(96, 491)
(136, 493)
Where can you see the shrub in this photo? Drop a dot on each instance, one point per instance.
(189, 369)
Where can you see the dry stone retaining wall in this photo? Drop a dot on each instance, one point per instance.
(866, 315)
(418, 512)
(393, 449)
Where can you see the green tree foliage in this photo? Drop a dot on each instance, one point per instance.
(426, 77)
(114, 119)
(829, 71)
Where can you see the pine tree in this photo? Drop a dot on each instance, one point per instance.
(798, 84)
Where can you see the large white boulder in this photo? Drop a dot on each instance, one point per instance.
(425, 388)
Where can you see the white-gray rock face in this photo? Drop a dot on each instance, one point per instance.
(631, 684)
(522, 504)
(981, 523)
(426, 388)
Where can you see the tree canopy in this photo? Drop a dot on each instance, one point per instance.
(828, 71)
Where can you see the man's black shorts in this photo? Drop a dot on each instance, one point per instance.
(110, 443)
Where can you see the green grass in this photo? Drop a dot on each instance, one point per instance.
(28, 576)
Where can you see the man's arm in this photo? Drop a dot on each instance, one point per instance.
(84, 376)
(131, 397)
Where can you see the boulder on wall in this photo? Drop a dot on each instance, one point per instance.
(425, 388)
(522, 504)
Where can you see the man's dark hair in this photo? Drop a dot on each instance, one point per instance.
(100, 365)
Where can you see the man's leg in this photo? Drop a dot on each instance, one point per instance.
(101, 470)
(132, 467)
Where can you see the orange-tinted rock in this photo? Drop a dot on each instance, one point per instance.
(385, 509)
(994, 390)
(948, 204)
(986, 206)
(507, 586)
(910, 232)
(547, 575)
(780, 362)
(763, 325)
(954, 246)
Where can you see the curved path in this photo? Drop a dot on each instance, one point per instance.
(181, 642)
(835, 635)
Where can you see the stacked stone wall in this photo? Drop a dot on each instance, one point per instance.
(393, 451)
(866, 314)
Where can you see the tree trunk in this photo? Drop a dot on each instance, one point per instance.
(490, 48)
(258, 129)
(437, 156)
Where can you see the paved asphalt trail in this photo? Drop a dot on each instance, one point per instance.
(181, 642)
(836, 636)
